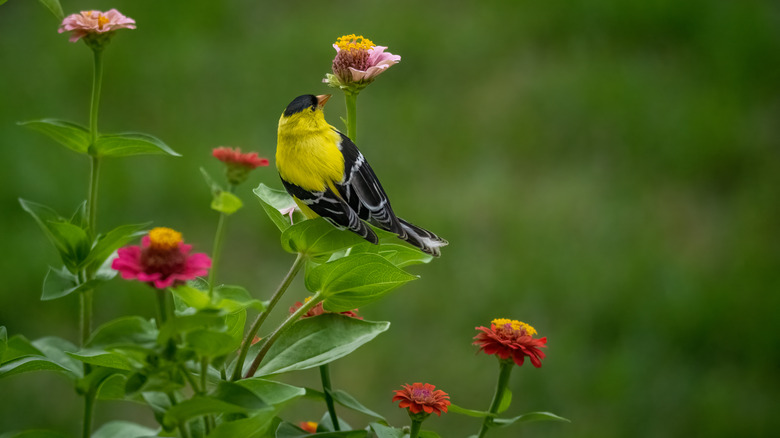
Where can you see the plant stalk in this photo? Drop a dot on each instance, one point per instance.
(505, 371)
(250, 336)
(315, 299)
(97, 81)
(326, 388)
(415, 431)
(85, 301)
(351, 101)
(219, 238)
(89, 407)
(162, 311)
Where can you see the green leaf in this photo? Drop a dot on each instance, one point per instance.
(259, 425)
(59, 283)
(3, 341)
(72, 136)
(131, 143)
(55, 8)
(71, 241)
(346, 400)
(383, 431)
(506, 400)
(470, 412)
(226, 202)
(45, 354)
(317, 237)
(113, 388)
(228, 398)
(526, 418)
(212, 319)
(273, 201)
(57, 350)
(32, 363)
(355, 281)
(403, 255)
(191, 296)
(18, 346)
(123, 429)
(127, 332)
(315, 341)
(271, 392)
(428, 434)
(111, 241)
(235, 298)
(79, 217)
(34, 434)
(209, 343)
(103, 358)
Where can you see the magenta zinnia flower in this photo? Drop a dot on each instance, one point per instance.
(238, 164)
(358, 62)
(319, 310)
(419, 397)
(94, 22)
(510, 338)
(162, 260)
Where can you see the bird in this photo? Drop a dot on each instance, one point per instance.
(327, 176)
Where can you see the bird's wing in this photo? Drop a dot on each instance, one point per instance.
(333, 208)
(361, 189)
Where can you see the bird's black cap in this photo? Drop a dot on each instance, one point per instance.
(300, 103)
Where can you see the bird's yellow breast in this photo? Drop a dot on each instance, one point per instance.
(307, 152)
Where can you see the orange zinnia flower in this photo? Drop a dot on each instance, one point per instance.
(510, 338)
(422, 397)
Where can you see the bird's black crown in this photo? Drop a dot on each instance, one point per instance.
(301, 103)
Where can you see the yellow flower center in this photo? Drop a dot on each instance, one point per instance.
(164, 238)
(515, 324)
(354, 42)
(102, 19)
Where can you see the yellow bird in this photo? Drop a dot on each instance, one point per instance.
(326, 174)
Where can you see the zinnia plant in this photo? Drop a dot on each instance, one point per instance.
(95, 25)
(421, 400)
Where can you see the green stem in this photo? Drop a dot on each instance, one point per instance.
(269, 341)
(506, 367)
(85, 301)
(416, 426)
(162, 312)
(219, 237)
(182, 425)
(97, 80)
(94, 172)
(204, 373)
(191, 380)
(250, 336)
(89, 405)
(351, 101)
(326, 388)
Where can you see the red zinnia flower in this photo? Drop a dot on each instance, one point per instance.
(319, 310)
(162, 260)
(510, 338)
(422, 397)
(308, 426)
(238, 165)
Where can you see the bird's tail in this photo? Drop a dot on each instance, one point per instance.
(428, 242)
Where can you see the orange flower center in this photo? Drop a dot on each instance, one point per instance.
(514, 325)
(102, 19)
(164, 239)
(354, 42)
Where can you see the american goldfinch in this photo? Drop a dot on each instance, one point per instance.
(326, 174)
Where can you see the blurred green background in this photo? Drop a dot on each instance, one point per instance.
(607, 171)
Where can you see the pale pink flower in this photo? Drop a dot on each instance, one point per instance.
(94, 22)
(358, 62)
(162, 260)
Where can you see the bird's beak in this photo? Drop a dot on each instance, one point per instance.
(322, 99)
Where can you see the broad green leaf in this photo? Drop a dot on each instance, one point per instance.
(191, 296)
(346, 400)
(56, 349)
(235, 324)
(69, 240)
(326, 424)
(32, 363)
(55, 8)
(506, 400)
(383, 431)
(259, 425)
(103, 358)
(273, 201)
(526, 418)
(272, 392)
(34, 434)
(315, 341)
(228, 398)
(72, 136)
(234, 298)
(111, 241)
(18, 346)
(79, 217)
(212, 319)
(208, 343)
(128, 332)
(131, 143)
(60, 282)
(470, 412)
(317, 237)
(355, 281)
(287, 430)
(123, 429)
(113, 388)
(3, 341)
(226, 202)
(403, 255)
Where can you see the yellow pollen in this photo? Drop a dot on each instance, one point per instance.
(102, 19)
(516, 325)
(354, 42)
(164, 238)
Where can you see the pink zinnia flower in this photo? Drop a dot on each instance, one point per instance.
(419, 397)
(358, 61)
(162, 260)
(94, 22)
(319, 310)
(238, 164)
(510, 338)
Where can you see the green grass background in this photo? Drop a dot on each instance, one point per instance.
(607, 171)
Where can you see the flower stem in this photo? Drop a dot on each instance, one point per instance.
(297, 264)
(326, 388)
(219, 238)
(94, 172)
(351, 101)
(506, 367)
(416, 426)
(315, 299)
(162, 312)
(89, 405)
(97, 80)
(85, 301)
